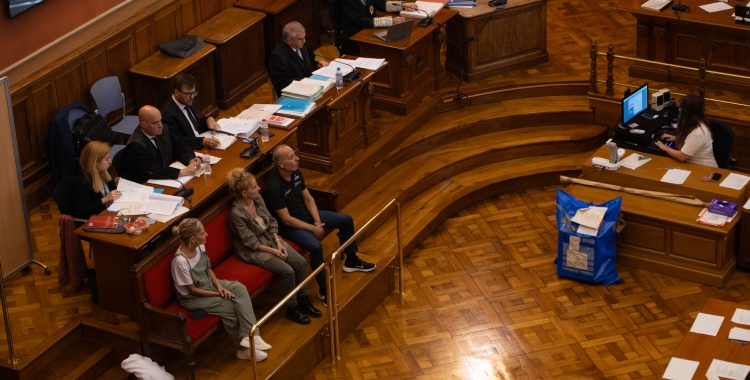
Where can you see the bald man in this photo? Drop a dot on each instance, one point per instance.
(151, 149)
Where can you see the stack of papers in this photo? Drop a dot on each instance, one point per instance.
(330, 70)
(238, 127)
(259, 112)
(279, 121)
(728, 370)
(295, 107)
(362, 62)
(325, 82)
(712, 219)
(425, 8)
(225, 140)
(741, 316)
(656, 5)
(297, 89)
(138, 199)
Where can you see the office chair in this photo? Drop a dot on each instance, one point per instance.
(723, 139)
(109, 97)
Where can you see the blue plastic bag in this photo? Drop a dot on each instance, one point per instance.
(594, 261)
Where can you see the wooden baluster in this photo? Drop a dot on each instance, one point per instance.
(702, 79)
(592, 77)
(610, 70)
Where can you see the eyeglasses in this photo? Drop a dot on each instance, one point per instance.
(189, 94)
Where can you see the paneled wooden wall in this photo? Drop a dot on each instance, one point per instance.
(38, 98)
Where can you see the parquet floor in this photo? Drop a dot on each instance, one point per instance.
(483, 301)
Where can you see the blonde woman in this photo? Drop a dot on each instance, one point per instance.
(198, 288)
(256, 241)
(94, 190)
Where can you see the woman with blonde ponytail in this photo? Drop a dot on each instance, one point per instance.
(199, 291)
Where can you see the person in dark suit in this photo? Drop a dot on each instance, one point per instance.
(152, 148)
(183, 116)
(292, 59)
(94, 189)
(360, 14)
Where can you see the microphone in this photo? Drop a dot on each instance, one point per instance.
(427, 21)
(680, 8)
(184, 192)
(352, 76)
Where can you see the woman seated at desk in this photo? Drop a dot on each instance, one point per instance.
(93, 191)
(360, 14)
(694, 139)
(198, 288)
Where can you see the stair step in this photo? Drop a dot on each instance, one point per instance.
(114, 372)
(417, 174)
(85, 360)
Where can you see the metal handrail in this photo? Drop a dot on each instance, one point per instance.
(672, 65)
(336, 349)
(331, 297)
(278, 306)
(680, 94)
(13, 361)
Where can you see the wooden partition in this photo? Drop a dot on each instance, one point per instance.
(37, 98)
(14, 224)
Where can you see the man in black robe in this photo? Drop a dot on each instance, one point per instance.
(183, 116)
(292, 59)
(360, 14)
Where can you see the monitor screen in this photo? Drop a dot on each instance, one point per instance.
(634, 104)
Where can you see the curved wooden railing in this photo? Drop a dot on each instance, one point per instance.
(610, 82)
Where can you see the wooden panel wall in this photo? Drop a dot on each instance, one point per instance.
(37, 100)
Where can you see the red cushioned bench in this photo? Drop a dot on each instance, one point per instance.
(163, 320)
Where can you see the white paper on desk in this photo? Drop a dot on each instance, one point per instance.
(172, 182)
(738, 333)
(680, 369)
(330, 70)
(351, 62)
(238, 127)
(214, 159)
(132, 196)
(707, 324)
(127, 208)
(225, 140)
(741, 316)
(675, 176)
(159, 207)
(590, 217)
(370, 63)
(715, 7)
(747, 205)
(125, 185)
(259, 111)
(166, 218)
(634, 161)
(735, 181)
(729, 370)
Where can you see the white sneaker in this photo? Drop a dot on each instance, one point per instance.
(246, 355)
(260, 344)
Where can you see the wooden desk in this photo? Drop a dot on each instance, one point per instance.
(648, 177)
(326, 139)
(115, 254)
(153, 78)
(744, 253)
(514, 37)
(415, 69)
(235, 33)
(704, 349)
(714, 37)
(280, 12)
(662, 236)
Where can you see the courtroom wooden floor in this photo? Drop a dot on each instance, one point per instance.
(483, 300)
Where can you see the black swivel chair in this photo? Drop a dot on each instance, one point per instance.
(723, 137)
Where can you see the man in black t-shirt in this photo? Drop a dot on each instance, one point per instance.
(300, 221)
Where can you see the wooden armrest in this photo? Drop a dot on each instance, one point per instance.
(164, 324)
(325, 200)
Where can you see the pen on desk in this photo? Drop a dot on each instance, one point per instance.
(667, 168)
(738, 341)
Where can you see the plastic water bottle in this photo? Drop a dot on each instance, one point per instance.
(206, 162)
(264, 131)
(339, 79)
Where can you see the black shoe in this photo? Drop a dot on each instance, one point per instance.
(357, 265)
(322, 297)
(305, 307)
(293, 314)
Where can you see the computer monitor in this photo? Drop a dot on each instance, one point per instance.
(634, 104)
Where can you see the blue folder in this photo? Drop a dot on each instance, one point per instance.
(293, 104)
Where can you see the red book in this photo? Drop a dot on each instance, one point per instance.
(97, 221)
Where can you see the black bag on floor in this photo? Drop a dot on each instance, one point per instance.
(91, 127)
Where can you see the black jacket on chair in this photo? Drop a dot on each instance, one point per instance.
(173, 117)
(86, 201)
(285, 66)
(141, 158)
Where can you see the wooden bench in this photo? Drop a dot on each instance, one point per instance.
(163, 320)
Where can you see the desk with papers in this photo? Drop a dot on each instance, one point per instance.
(663, 236)
(706, 351)
(115, 254)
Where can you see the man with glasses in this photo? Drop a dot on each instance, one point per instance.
(292, 59)
(183, 116)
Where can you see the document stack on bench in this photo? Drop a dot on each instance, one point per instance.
(304, 90)
(295, 107)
